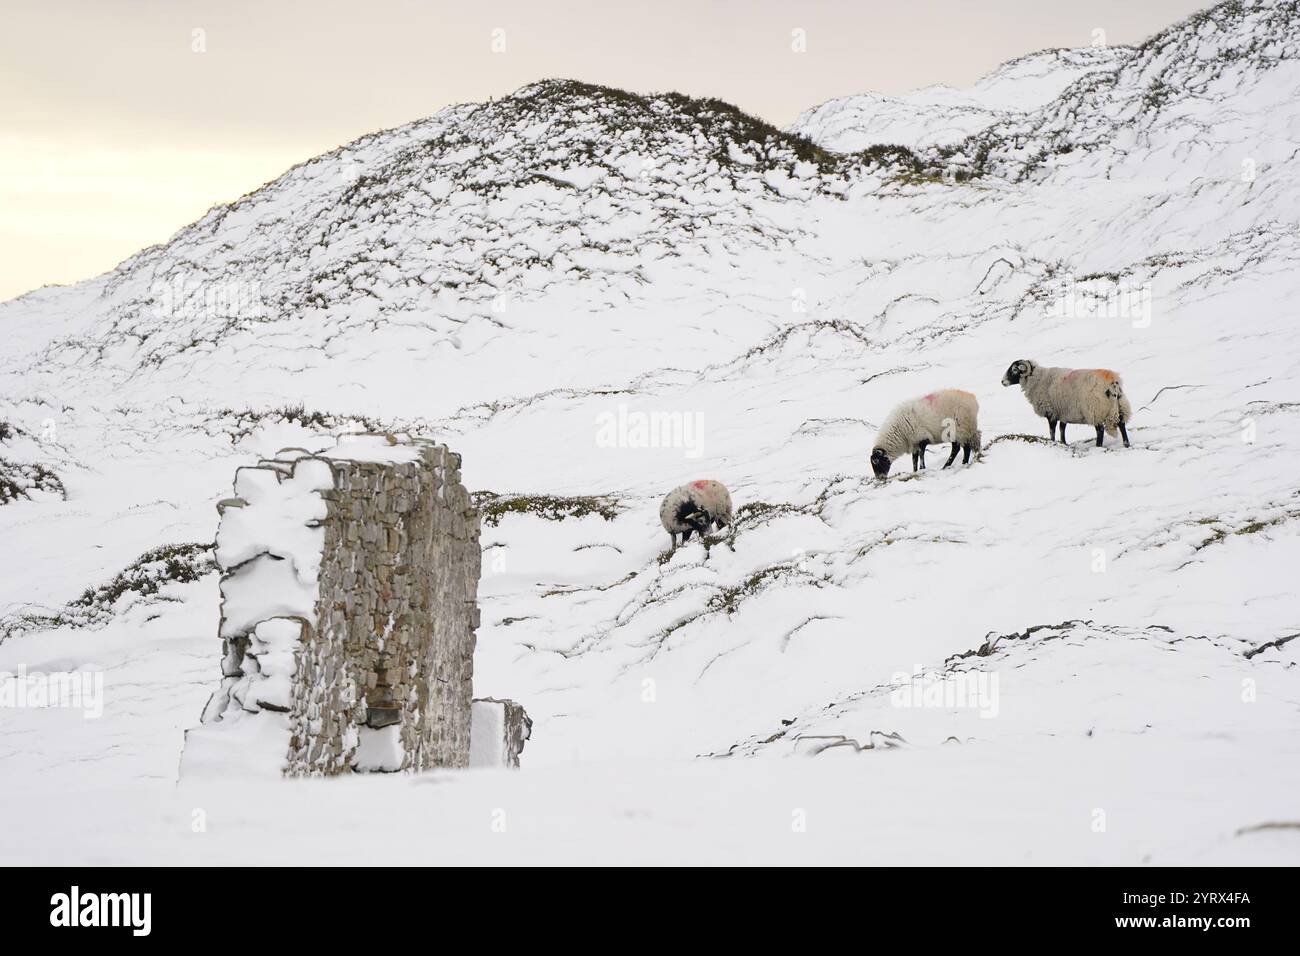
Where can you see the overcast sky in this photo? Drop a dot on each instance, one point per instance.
(116, 129)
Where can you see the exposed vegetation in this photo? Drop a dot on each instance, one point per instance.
(171, 563)
(673, 112)
(246, 420)
(145, 577)
(1219, 532)
(728, 599)
(493, 507)
(19, 480)
(1021, 437)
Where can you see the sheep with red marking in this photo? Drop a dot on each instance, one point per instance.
(695, 507)
(949, 415)
(1075, 396)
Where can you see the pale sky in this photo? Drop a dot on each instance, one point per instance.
(115, 132)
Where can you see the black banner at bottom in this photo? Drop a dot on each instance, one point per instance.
(337, 905)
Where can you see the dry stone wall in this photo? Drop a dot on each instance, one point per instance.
(349, 583)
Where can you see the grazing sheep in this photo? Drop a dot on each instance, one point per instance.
(697, 506)
(949, 415)
(1078, 396)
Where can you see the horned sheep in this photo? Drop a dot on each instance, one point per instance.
(1075, 396)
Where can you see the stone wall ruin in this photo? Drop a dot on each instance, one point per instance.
(349, 583)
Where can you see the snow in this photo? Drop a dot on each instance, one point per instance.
(943, 116)
(272, 543)
(736, 702)
(834, 809)
(270, 539)
(243, 746)
(375, 448)
(487, 734)
(268, 670)
(380, 749)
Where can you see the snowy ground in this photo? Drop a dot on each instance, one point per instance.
(943, 116)
(1121, 620)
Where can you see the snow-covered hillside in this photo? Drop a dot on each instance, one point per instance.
(1057, 654)
(1212, 96)
(943, 116)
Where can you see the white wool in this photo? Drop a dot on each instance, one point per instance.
(715, 498)
(941, 417)
(710, 496)
(1090, 396)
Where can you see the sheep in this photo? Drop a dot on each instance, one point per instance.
(1079, 396)
(949, 415)
(697, 506)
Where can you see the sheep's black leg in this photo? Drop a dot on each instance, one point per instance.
(1051, 429)
(965, 457)
(1101, 430)
(1063, 441)
(922, 448)
(956, 447)
(1124, 431)
(914, 460)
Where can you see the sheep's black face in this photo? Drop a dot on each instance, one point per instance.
(691, 515)
(1018, 370)
(700, 521)
(879, 462)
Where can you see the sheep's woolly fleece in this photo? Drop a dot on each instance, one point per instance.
(707, 496)
(1093, 396)
(947, 415)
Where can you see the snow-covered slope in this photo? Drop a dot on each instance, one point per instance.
(512, 278)
(1212, 96)
(421, 241)
(942, 115)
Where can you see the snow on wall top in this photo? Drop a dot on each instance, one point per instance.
(269, 542)
(378, 448)
(269, 539)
